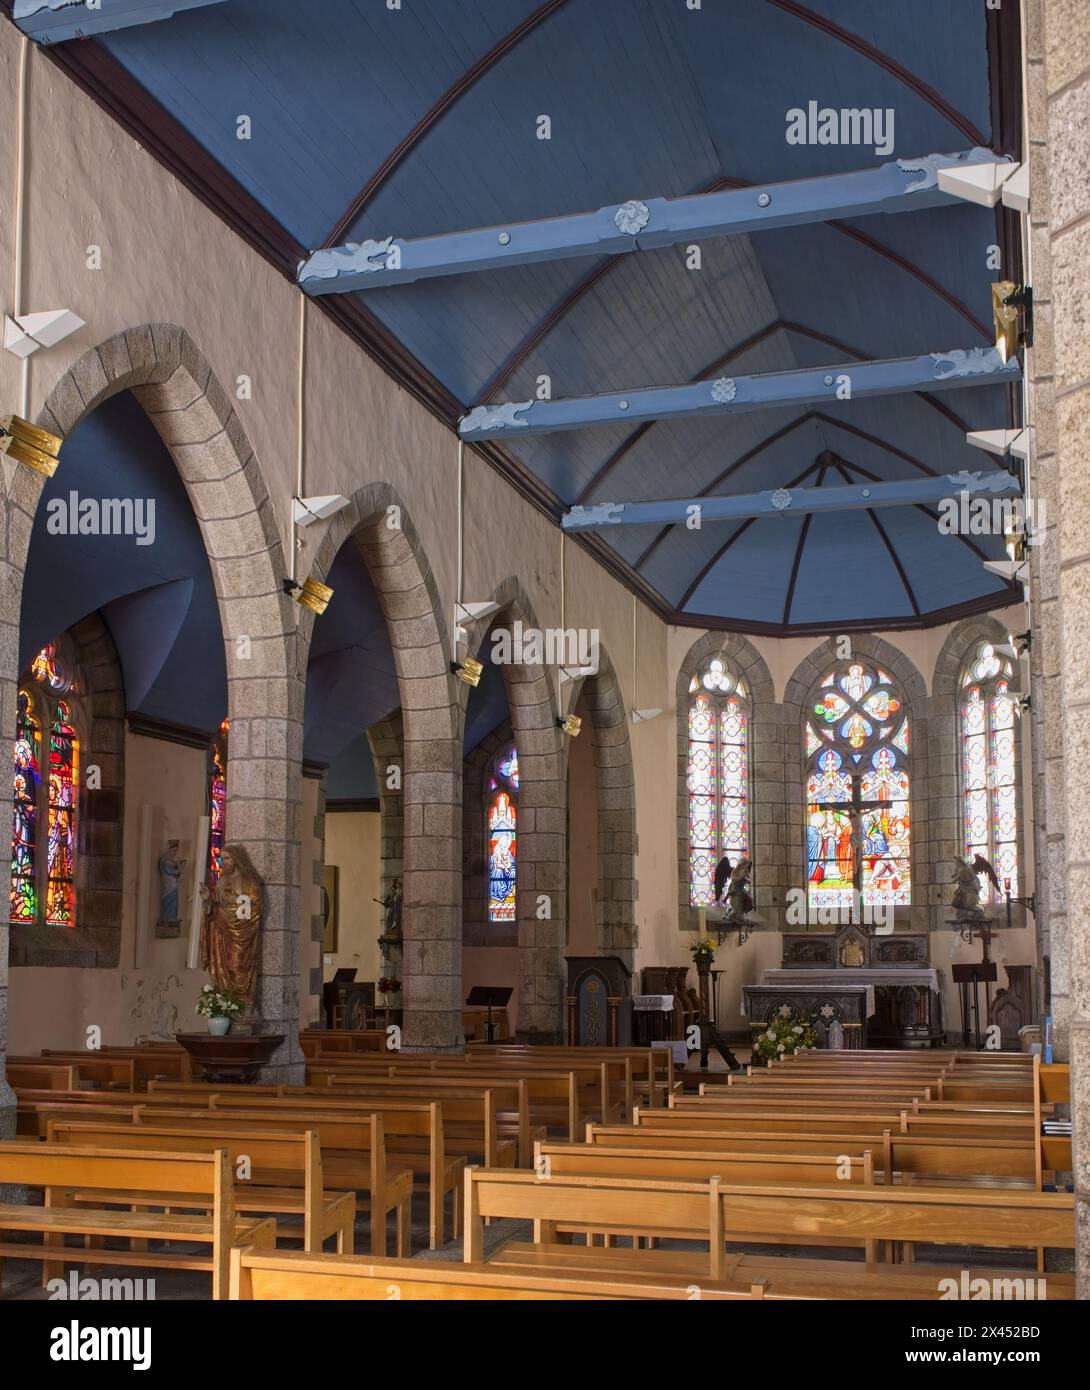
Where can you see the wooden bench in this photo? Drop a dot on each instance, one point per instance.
(286, 1177)
(783, 1275)
(41, 1076)
(715, 1213)
(59, 1171)
(353, 1152)
(893, 1152)
(420, 1121)
(292, 1275)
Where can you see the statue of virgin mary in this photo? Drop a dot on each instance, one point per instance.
(231, 923)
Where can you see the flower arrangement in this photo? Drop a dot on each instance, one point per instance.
(703, 952)
(783, 1037)
(389, 986)
(219, 1003)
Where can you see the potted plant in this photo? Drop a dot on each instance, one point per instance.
(219, 1007)
(784, 1036)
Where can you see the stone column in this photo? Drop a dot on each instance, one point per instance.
(1061, 266)
(264, 816)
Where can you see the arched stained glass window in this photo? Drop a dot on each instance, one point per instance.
(60, 904)
(858, 823)
(217, 803)
(501, 801)
(44, 798)
(718, 776)
(989, 767)
(24, 889)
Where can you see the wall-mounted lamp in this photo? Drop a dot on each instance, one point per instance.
(1012, 314)
(28, 444)
(468, 671)
(310, 594)
(571, 724)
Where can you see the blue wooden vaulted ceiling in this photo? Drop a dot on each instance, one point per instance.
(367, 121)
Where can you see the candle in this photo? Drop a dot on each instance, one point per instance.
(703, 923)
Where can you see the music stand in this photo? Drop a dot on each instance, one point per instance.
(488, 995)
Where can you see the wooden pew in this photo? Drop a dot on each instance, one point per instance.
(287, 1177)
(783, 1275)
(41, 1076)
(918, 1155)
(716, 1212)
(293, 1275)
(60, 1171)
(418, 1120)
(353, 1154)
(90, 1067)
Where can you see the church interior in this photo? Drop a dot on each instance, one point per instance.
(544, 635)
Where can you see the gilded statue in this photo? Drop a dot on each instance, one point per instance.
(231, 923)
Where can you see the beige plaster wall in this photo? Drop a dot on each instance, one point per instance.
(353, 843)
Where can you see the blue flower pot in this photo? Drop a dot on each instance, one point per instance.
(219, 1026)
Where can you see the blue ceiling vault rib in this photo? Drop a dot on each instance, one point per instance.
(889, 547)
(413, 137)
(897, 70)
(800, 547)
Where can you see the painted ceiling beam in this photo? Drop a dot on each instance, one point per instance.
(56, 21)
(902, 185)
(785, 501)
(933, 371)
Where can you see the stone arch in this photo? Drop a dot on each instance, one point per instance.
(615, 921)
(378, 522)
(193, 415)
(796, 692)
(542, 854)
(768, 847)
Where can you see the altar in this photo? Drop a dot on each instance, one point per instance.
(881, 990)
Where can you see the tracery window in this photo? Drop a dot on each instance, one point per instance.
(43, 886)
(718, 775)
(501, 803)
(858, 823)
(989, 766)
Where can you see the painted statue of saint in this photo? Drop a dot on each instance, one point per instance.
(231, 923)
(170, 871)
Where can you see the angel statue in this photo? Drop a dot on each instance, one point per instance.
(966, 899)
(733, 883)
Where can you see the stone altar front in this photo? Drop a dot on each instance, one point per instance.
(881, 989)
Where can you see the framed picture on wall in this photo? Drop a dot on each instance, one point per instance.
(329, 909)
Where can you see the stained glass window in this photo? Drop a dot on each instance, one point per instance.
(501, 799)
(858, 822)
(989, 767)
(61, 848)
(45, 789)
(718, 776)
(217, 803)
(24, 891)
